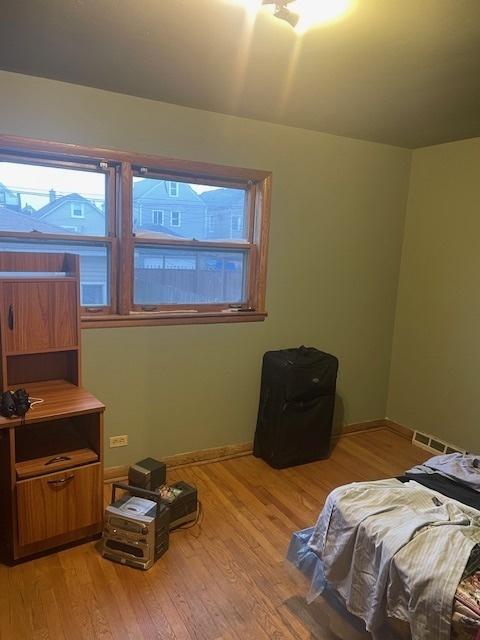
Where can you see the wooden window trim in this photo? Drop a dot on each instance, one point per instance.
(246, 246)
(170, 318)
(120, 241)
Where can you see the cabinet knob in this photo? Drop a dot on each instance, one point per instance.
(10, 317)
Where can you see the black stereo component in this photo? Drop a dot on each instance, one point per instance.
(182, 501)
(14, 403)
(147, 474)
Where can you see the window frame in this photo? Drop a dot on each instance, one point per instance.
(120, 240)
(82, 211)
(92, 284)
(238, 226)
(109, 241)
(160, 217)
(179, 217)
(173, 183)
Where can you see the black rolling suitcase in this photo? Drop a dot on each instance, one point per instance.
(297, 399)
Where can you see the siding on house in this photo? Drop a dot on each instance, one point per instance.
(162, 274)
(153, 206)
(225, 213)
(90, 220)
(9, 199)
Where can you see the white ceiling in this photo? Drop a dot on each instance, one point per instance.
(404, 72)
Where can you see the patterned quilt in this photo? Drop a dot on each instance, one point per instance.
(466, 609)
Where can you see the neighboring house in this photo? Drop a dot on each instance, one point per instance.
(9, 199)
(74, 214)
(93, 259)
(167, 207)
(15, 221)
(176, 275)
(225, 213)
(161, 209)
(28, 210)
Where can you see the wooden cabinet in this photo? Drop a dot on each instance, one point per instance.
(39, 316)
(42, 508)
(51, 461)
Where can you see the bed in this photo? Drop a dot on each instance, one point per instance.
(401, 557)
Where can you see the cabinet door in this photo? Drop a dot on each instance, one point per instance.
(38, 316)
(59, 503)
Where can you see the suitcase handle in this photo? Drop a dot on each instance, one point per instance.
(298, 404)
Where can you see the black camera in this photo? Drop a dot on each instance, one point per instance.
(14, 403)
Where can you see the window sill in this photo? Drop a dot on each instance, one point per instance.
(170, 318)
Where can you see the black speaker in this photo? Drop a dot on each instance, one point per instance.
(147, 474)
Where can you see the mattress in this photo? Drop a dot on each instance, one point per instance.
(466, 608)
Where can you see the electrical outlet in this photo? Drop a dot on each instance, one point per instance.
(118, 441)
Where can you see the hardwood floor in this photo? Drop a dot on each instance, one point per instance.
(225, 579)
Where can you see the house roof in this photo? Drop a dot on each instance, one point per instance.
(70, 197)
(223, 198)
(156, 231)
(14, 221)
(153, 189)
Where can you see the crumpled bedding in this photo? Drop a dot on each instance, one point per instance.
(463, 621)
(463, 468)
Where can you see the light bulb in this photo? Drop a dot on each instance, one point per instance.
(314, 12)
(252, 6)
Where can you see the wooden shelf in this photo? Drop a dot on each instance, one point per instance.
(61, 400)
(10, 354)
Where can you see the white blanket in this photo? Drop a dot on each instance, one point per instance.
(393, 549)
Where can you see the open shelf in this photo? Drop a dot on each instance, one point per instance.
(41, 366)
(61, 399)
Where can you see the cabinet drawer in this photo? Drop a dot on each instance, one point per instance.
(52, 463)
(59, 503)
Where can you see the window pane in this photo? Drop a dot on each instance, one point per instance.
(167, 209)
(94, 266)
(193, 276)
(52, 200)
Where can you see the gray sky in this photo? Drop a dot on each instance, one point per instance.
(34, 182)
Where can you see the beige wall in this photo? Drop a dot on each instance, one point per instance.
(435, 374)
(337, 223)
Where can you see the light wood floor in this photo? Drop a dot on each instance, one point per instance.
(225, 579)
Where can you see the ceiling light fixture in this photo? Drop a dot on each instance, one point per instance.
(283, 12)
(302, 14)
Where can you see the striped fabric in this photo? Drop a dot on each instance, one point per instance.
(463, 468)
(399, 550)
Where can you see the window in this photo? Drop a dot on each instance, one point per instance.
(93, 295)
(173, 189)
(140, 261)
(170, 276)
(158, 217)
(138, 215)
(176, 219)
(77, 209)
(236, 224)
